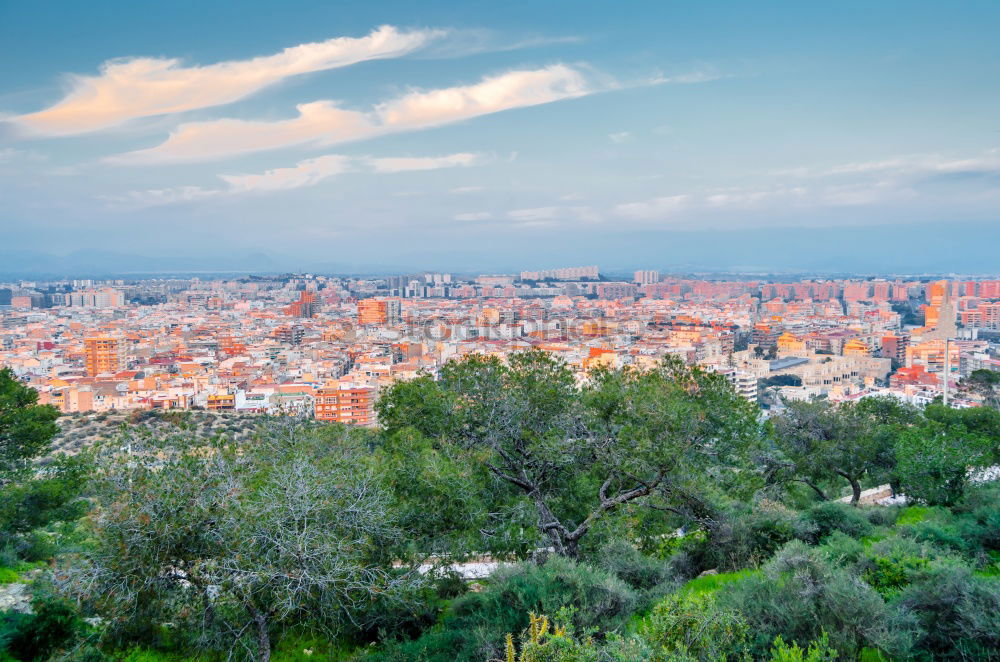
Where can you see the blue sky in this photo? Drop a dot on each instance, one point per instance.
(448, 135)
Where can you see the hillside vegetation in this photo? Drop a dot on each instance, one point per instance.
(643, 516)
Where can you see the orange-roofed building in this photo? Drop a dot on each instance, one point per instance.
(914, 376)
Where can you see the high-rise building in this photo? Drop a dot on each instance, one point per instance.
(107, 297)
(379, 311)
(103, 354)
(894, 347)
(646, 277)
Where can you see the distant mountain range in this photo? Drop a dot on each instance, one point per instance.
(939, 248)
(98, 264)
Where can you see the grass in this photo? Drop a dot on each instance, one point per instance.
(914, 515)
(307, 648)
(9, 576)
(712, 583)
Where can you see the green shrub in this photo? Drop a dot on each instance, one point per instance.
(54, 624)
(474, 627)
(831, 516)
(958, 536)
(8, 576)
(817, 651)
(750, 538)
(694, 625)
(842, 550)
(639, 571)
(800, 596)
(958, 613)
(882, 515)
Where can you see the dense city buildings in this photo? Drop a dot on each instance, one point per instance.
(328, 346)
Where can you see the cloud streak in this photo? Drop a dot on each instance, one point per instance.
(131, 88)
(325, 123)
(308, 172)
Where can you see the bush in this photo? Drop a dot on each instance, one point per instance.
(800, 596)
(959, 613)
(748, 539)
(474, 627)
(817, 651)
(839, 549)
(831, 516)
(639, 571)
(54, 624)
(882, 515)
(693, 625)
(963, 537)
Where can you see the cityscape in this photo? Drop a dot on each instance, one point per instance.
(325, 346)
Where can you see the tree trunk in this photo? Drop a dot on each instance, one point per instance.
(548, 523)
(855, 486)
(263, 639)
(855, 491)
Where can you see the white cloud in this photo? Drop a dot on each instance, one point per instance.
(552, 214)
(141, 87)
(303, 174)
(908, 165)
(619, 137)
(534, 214)
(655, 208)
(474, 216)
(468, 189)
(703, 76)
(408, 163)
(324, 123)
(11, 155)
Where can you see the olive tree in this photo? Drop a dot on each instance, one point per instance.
(821, 441)
(234, 544)
(577, 453)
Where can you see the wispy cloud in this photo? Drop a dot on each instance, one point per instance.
(324, 123)
(911, 164)
(131, 88)
(619, 137)
(304, 173)
(407, 163)
(654, 208)
(308, 172)
(554, 213)
(473, 216)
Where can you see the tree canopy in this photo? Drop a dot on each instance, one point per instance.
(578, 453)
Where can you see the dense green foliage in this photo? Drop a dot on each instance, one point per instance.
(642, 515)
(33, 495)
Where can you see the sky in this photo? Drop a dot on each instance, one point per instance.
(483, 135)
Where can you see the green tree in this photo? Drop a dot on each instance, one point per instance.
(233, 545)
(820, 441)
(26, 428)
(934, 459)
(577, 454)
(33, 494)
